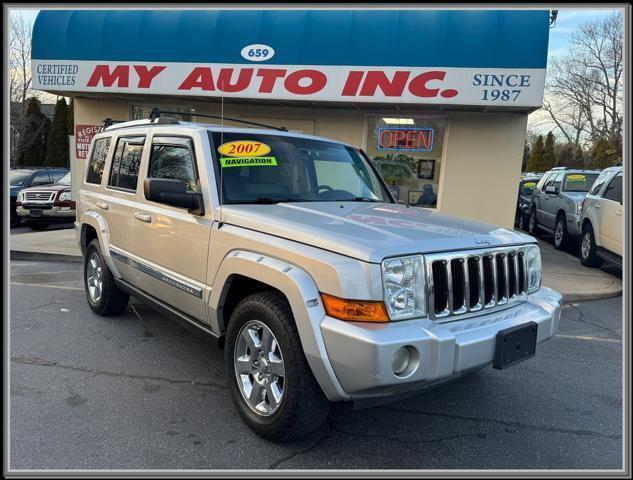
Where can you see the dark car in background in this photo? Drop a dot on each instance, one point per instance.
(524, 200)
(42, 206)
(25, 177)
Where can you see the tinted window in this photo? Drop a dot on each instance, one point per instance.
(614, 190)
(41, 178)
(97, 161)
(595, 188)
(579, 182)
(126, 161)
(173, 161)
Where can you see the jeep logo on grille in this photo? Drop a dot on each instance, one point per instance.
(481, 240)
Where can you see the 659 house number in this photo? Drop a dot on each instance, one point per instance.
(513, 83)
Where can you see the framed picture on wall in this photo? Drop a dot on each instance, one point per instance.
(426, 168)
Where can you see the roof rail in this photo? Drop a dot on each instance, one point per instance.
(155, 116)
(108, 122)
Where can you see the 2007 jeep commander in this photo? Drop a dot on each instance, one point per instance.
(290, 250)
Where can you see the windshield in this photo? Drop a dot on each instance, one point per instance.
(65, 180)
(18, 178)
(579, 182)
(528, 186)
(276, 168)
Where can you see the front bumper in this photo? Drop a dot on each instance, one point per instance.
(573, 225)
(361, 353)
(49, 213)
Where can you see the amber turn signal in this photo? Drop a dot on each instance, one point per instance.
(354, 310)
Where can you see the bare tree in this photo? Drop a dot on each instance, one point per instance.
(19, 57)
(585, 86)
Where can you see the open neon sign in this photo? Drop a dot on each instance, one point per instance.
(409, 139)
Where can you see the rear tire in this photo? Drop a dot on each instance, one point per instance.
(532, 225)
(39, 226)
(297, 406)
(104, 297)
(587, 252)
(561, 236)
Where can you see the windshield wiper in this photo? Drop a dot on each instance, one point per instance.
(364, 199)
(270, 200)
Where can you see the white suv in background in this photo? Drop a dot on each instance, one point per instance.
(602, 219)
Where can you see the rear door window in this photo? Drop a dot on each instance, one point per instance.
(597, 186)
(126, 162)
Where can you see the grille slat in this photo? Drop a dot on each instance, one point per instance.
(464, 283)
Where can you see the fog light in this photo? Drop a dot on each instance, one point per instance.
(400, 360)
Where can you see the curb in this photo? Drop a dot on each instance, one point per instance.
(45, 257)
(585, 297)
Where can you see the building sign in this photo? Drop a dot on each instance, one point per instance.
(459, 86)
(83, 137)
(410, 139)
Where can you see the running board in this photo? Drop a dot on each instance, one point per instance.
(161, 307)
(609, 257)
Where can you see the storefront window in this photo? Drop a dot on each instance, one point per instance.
(139, 112)
(407, 152)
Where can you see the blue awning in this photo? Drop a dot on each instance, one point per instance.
(412, 38)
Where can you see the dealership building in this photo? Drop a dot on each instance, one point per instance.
(437, 98)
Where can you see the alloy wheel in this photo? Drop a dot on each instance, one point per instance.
(585, 245)
(94, 277)
(259, 368)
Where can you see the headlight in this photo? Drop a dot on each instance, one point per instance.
(65, 196)
(403, 287)
(534, 267)
(20, 197)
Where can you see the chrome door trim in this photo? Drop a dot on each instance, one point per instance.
(157, 274)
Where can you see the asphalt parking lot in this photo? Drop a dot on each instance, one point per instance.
(138, 391)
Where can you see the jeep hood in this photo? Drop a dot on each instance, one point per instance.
(369, 231)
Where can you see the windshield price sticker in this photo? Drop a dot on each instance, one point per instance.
(248, 162)
(577, 178)
(244, 148)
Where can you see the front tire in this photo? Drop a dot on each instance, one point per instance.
(588, 255)
(104, 297)
(561, 236)
(270, 380)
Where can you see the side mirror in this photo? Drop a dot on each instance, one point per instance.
(173, 192)
(551, 190)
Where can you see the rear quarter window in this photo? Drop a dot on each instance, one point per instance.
(94, 172)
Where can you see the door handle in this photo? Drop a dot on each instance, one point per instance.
(143, 217)
(618, 212)
(598, 205)
(101, 205)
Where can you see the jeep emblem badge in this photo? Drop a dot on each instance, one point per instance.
(482, 240)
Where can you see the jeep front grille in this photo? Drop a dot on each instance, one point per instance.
(465, 283)
(39, 197)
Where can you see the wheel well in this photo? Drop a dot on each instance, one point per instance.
(586, 222)
(561, 213)
(236, 288)
(88, 234)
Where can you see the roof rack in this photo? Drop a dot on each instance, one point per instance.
(155, 116)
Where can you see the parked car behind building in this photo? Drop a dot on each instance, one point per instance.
(25, 177)
(557, 201)
(527, 184)
(602, 219)
(41, 206)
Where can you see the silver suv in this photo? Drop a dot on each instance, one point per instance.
(557, 203)
(290, 252)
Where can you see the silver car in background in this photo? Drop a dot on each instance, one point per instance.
(557, 203)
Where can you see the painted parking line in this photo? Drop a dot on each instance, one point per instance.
(46, 285)
(590, 339)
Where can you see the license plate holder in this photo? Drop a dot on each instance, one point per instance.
(35, 212)
(515, 344)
